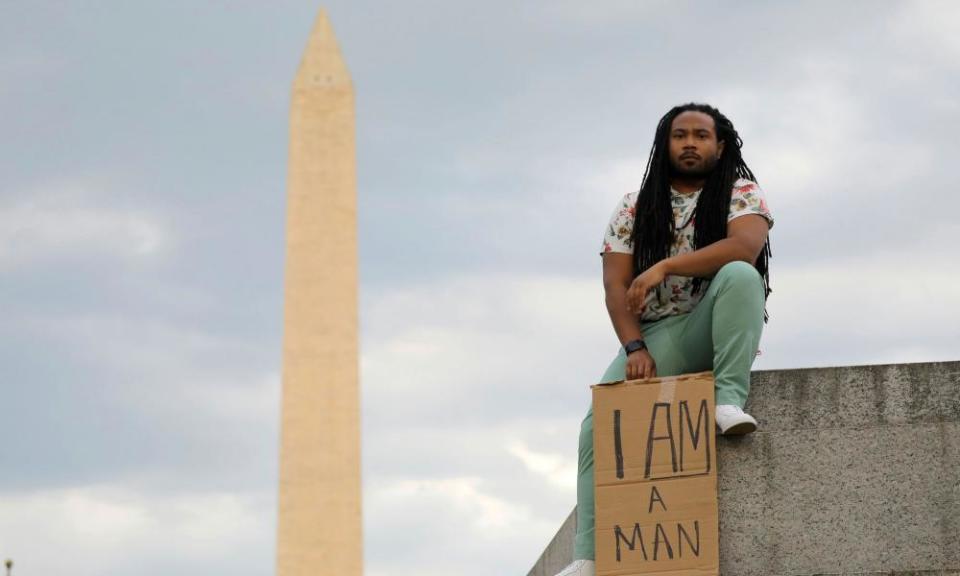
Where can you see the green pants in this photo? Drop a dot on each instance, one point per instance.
(720, 334)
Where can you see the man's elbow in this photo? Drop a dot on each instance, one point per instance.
(615, 286)
(748, 252)
(748, 256)
(608, 287)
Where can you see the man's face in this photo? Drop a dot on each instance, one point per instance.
(694, 150)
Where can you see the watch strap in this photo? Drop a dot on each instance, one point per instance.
(634, 345)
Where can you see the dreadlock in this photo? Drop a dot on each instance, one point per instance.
(654, 226)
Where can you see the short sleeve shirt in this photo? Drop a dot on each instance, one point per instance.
(676, 295)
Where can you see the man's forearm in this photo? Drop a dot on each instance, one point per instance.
(706, 261)
(625, 324)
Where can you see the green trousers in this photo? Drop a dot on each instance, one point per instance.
(721, 333)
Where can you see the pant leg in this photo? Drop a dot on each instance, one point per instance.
(660, 342)
(723, 331)
(670, 356)
(584, 542)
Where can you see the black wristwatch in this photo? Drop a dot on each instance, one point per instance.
(634, 345)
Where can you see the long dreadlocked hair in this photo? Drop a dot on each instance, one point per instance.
(654, 227)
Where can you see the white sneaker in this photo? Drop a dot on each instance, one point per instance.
(578, 568)
(733, 421)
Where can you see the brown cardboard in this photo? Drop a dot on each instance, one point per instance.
(656, 477)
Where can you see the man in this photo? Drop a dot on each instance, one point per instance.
(685, 274)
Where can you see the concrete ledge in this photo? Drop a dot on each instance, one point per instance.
(559, 552)
(855, 470)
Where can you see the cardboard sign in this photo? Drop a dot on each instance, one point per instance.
(654, 445)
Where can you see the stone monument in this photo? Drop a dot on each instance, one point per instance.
(319, 526)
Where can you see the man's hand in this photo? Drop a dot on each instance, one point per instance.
(640, 364)
(642, 284)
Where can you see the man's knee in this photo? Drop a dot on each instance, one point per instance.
(737, 272)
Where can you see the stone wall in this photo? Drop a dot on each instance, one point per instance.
(854, 470)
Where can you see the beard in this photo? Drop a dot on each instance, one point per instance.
(699, 171)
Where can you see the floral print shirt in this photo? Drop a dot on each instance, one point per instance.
(676, 295)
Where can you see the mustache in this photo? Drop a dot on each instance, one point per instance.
(676, 171)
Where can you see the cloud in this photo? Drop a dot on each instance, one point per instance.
(22, 67)
(933, 26)
(480, 511)
(556, 468)
(576, 15)
(257, 402)
(150, 401)
(894, 307)
(65, 221)
(109, 529)
(483, 347)
(413, 527)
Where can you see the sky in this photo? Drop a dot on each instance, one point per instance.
(142, 198)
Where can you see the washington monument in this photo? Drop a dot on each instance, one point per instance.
(319, 527)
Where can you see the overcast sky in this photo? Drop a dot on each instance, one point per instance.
(142, 198)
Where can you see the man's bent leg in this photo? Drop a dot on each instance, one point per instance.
(584, 543)
(731, 314)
